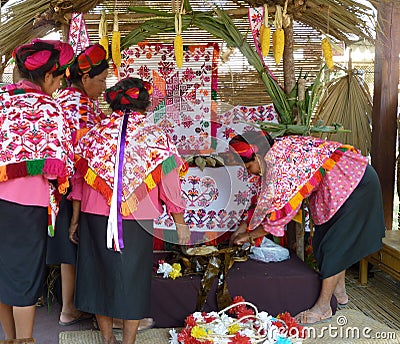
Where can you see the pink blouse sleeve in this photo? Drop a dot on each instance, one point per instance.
(170, 193)
(76, 187)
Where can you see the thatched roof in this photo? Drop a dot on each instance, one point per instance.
(345, 20)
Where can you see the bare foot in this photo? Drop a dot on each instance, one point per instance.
(341, 296)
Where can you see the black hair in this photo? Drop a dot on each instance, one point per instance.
(115, 94)
(37, 76)
(75, 74)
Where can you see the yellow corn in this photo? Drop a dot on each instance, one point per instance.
(116, 48)
(278, 44)
(265, 33)
(327, 52)
(104, 43)
(103, 33)
(178, 49)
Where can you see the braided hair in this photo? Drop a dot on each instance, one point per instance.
(39, 57)
(129, 93)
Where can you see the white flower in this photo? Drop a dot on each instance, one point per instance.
(164, 269)
(226, 319)
(218, 327)
(174, 337)
(198, 317)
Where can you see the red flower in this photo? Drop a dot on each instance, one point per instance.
(242, 309)
(239, 339)
(242, 312)
(190, 321)
(291, 325)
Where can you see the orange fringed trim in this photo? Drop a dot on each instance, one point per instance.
(307, 188)
(3, 174)
(100, 185)
(130, 205)
(63, 186)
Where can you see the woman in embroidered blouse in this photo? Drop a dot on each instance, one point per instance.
(131, 169)
(336, 179)
(87, 79)
(36, 147)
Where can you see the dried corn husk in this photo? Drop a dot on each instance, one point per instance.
(327, 52)
(116, 43)
(103, 36)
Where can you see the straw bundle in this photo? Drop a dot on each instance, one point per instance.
(347, 101)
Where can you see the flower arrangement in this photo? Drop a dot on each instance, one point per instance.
(240, 323)
(172, 271)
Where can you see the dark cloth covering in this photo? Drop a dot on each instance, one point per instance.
(290, 285)
(111, 283)
(23, 233)
(355, 231)
(61, 250)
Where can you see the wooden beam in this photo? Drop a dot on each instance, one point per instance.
(384, 113)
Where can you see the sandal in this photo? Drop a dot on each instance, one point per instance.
(75, 318)
(309, 317)
(146, 324)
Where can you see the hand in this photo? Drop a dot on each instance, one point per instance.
(242, 238)
(241, 229)
(74, 233)
(183, 232)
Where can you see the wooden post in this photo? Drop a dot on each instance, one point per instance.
(288, 59)
(384, 113)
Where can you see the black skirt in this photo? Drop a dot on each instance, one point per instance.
(111, 283)
(23, 232)
(355, 231)
(61, 250)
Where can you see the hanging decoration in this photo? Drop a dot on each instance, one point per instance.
(78, 36)
(327, 48)
(327, 52)
(116, 42)
(183, 100)
(178, 43)
(103, 36)
(278, 37)
(265, 33)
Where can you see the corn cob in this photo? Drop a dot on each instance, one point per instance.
(116, 43)
(178, 49)
(178, 42)
(265, 33)
(327, 52)
(103, 41)
(278, 44)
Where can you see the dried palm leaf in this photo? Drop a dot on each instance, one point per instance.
(348, 102)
